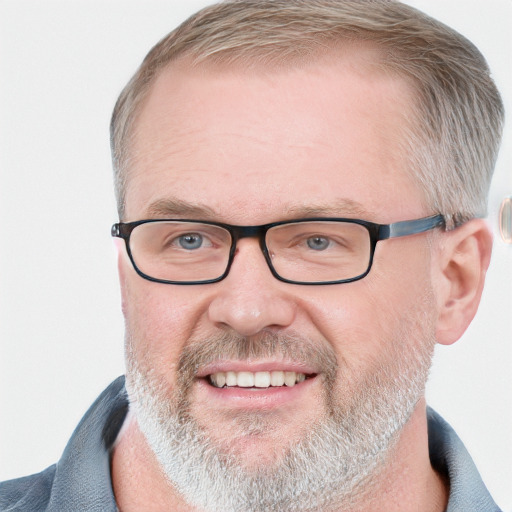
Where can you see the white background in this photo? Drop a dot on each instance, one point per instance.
(62, 65)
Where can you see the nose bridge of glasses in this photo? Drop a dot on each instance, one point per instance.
(239, 232)
(258, 232)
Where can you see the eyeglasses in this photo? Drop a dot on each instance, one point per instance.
(306, 251)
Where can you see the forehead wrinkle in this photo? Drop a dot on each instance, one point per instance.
(156, 140)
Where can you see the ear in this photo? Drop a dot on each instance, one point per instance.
(462, 260)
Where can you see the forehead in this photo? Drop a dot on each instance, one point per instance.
(251, 142)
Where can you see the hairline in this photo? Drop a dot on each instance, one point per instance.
(454, 127)
(256, 64)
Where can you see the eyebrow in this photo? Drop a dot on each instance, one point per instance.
(177, 208)
(339, 208)
(172, 207)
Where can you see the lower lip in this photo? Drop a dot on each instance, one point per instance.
(254, 398)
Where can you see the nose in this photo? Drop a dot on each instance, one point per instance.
(250, 299)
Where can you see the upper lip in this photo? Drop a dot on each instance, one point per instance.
(255, 366)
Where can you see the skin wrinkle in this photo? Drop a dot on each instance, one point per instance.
(381, 132)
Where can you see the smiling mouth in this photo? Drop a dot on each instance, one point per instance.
(260, 380)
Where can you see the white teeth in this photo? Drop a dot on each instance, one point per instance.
(220, 380)
(230, 378)
(245, 379)
(290, 378)
(257, 379)
(277, 378)
(261, 379)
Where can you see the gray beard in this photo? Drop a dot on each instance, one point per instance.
(334, 464)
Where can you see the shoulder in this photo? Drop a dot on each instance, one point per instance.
(450, 458)
(29, 493)
(81, 478)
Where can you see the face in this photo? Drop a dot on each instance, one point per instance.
(249, 148)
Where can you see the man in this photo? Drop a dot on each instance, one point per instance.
(300, 186)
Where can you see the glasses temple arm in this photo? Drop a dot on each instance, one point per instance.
(410, 227)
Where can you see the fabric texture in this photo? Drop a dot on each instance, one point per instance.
(80, 481)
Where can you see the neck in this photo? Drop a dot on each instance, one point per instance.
(406, 482)
(137, 479)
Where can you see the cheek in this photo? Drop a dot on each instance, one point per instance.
(363, 320)
(351, 322)
(159, 320)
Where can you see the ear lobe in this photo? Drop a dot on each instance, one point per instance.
(463, 259)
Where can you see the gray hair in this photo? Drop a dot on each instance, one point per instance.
(458, 117)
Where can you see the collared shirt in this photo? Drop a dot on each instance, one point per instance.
(81, 480)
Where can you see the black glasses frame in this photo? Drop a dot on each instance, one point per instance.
(377, 232)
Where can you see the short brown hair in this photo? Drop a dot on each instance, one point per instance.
(458, 118)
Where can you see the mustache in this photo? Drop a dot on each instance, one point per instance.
(291, 346)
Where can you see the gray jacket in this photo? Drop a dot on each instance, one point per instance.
(81, 482)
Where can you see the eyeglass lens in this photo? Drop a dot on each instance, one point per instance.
(318, 251)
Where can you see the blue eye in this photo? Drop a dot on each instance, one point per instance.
(190, 241)
(318, 243)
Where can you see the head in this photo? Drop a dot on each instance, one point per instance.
(255, 112)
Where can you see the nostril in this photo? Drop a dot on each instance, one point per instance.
(249, 309)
